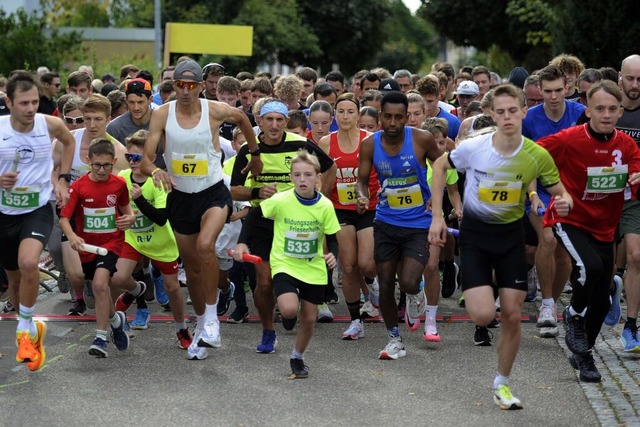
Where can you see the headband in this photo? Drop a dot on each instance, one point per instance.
(274, 107)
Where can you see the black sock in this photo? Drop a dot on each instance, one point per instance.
(354, 310)
(631, 324)
(620, 271)
(289, 324)
(441, 265)
(141, 302)
(369, 280)
(529, 267)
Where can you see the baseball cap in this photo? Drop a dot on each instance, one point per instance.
(388, 85)
(186, 67)
(467, 87)
(138, 86)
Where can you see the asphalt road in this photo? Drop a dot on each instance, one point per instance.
(152, 383)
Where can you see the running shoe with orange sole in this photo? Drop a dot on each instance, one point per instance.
(31, 351)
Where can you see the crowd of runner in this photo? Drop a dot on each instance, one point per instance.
(373, 183)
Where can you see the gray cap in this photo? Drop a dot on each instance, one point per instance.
(186, 67)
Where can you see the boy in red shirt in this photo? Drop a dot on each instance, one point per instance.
(100, 202)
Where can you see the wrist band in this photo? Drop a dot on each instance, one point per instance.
(531, 193)
(255, 193)
(155, 170)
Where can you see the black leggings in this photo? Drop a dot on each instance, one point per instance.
(592, 262)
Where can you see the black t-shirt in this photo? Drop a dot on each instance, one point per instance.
(47, 106)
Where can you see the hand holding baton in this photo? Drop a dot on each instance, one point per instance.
(453, 231)
(253, 259)
(541, 211)
(93, 249)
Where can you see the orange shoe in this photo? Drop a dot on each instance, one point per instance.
(32, 350)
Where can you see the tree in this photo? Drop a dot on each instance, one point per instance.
(278, 33)
(349, 32)
(483, 23)
(77, 13)
(28, 41)
(613, 31)
(407, 44)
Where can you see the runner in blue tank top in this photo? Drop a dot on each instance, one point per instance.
(398, 154)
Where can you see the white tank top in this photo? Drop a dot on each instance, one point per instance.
(189, 154)
(35, 164)
(78, 167)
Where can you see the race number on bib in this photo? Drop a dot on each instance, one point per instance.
(21, 197)
(503, 193)
(101, 220)
(347, 193)
(405, 198)
(609, 179)
(189, 165)
(142, 222)
(300, 245)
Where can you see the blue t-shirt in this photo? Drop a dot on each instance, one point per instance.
(537, 125)
(453, 121)
(403, 184)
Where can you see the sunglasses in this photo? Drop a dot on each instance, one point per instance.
(105, 166)
(189, 85)
(74, 120)
(135, 158)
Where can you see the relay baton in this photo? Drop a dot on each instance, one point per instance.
(14, 164)
(253, 259)
(541, 211)
(93, 249)
(16, 161)
(453, 231)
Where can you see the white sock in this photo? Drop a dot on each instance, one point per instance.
(200, 321)
(431, 311)
(25, 320)
(296, 355)
(180, 326)
(211, 312)
(136, 291)
(115, 321)
(500, 380)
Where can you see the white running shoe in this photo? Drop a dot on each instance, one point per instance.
(416, 305)
(210, 334)
(374, 292)
(354, 331)
(548, 316)
(193, 351)
(368, 310)
(394, 350)
(324, 314)
(431, 332)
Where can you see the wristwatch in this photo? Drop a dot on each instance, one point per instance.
(256, 152)
(65, 176)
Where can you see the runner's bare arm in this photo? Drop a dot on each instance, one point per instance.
(59, 131)
(161, 179)
(225, 113)
(364, 171)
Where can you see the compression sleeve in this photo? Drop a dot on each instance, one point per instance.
(332, 244)
(158, 216)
